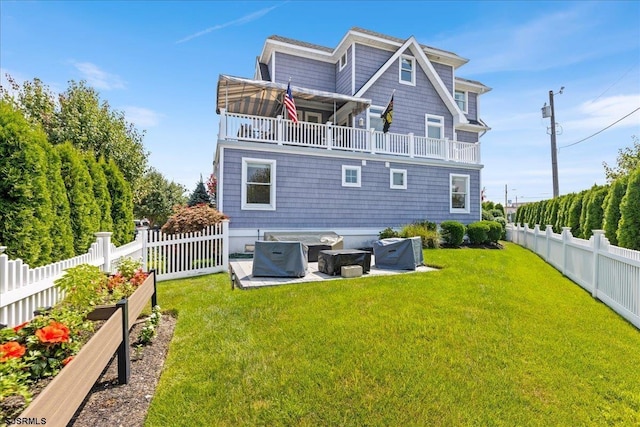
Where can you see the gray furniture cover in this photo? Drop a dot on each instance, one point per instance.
(316, 241)
(279, 259)
(398, 254)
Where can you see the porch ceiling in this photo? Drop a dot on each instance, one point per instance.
(262, 98)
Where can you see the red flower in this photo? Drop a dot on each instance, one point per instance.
(10, 350)
(20, 326)
(139, 277)
(67, 360)
(115, 281)
(54, 333)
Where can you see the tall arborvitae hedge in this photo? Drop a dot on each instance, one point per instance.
(612, 209)
(574, 213)
(100, 191)
(61, 232)
(85, 212)
(25, 204)
(629, 226)
(594, 212)
(121, 204)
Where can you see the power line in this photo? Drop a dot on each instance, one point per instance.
(601, 130)
(615, 83)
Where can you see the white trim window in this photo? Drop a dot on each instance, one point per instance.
(258, 184)
(343, 61)
(351, 176)
(407, 70)
(434, 126)
(462, 99)
(398, 179)
(375, 118)
(459, 200)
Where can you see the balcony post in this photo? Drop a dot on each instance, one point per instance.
(412, 145)
(222, 131)
(478, 152)
(447, 149)
(329, 136)
(280, 129)
(372, 140)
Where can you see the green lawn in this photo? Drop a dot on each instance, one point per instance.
(494, 338)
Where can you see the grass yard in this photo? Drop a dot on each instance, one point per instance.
(494, 338)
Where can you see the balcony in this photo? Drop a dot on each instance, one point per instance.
(279, 131)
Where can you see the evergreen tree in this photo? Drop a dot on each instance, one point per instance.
(61, 232)
(100, 191)
(574, 213)
(85, 212)
(25, 203)
(199, 195)
(595, 213)
(612, 209)
(629, 227)
(121, 204)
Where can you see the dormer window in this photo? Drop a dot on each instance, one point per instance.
(461, 100)
(408, 70)
(343, 61)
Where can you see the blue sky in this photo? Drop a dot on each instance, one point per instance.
(159, 61)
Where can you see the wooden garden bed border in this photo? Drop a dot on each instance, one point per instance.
(62, 397)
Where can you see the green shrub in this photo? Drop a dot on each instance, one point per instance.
(497, 213)
(478, 232)
(594, 212)
(494, 233)
(430, 238)
(503, 224)
(629, 228)
(452, 232)
(611, 206)
(388, 233)
(487, 216)
(431, 226)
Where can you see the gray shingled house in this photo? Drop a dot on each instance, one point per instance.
(334, 169)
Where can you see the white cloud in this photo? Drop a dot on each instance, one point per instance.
(243, 20)
(142, 117)
(596, 115)
(99, 78)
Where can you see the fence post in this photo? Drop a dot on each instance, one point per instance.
(536, 232)
(598, 235)
(106, 249)
(280, 128)
(124, 362)
(566, 235)
(548, 232)
(143, 235)
(225, 245)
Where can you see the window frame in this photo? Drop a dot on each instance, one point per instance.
(344, 60)
(314, 114)
(245, 205)
(412, 60)
(393, 186)
(467, 208)
(427, 124)
(358, 170)
(465, 101)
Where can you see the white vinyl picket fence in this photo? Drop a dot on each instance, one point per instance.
(24, 289)
(610, 273)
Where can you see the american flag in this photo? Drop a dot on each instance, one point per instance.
(291, 106)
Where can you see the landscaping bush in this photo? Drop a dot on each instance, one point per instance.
(495, 231)
(388, 233)
(478, 232)
(430, 238)
(192, 219)
(497, 213)
(503, 224)
(452, 232)
(629, 228)
(611, 206)
(487, 216)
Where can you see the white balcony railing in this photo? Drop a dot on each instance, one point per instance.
(330, 137)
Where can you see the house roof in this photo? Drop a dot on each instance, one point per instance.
(264, 98)
(473, 85)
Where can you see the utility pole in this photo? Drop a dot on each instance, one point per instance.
(554, 150)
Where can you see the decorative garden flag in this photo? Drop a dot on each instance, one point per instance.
(387, 116)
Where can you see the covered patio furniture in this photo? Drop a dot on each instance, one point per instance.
(316, 241)
(331, 262)
(398, 253)
(279, 259)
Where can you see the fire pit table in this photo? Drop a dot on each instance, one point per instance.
(330, 262)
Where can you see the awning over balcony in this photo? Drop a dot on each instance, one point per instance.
(263, 98)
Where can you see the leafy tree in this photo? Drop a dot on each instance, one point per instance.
(199, 195)
(157, 197)
(611, 207)
(595, 213)
(85, 211)
(212, 188)
(81, 117)
(25, 203)
(500, 208)
(121, 204)
(100, 191)
(627, 161)
(629, 226)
